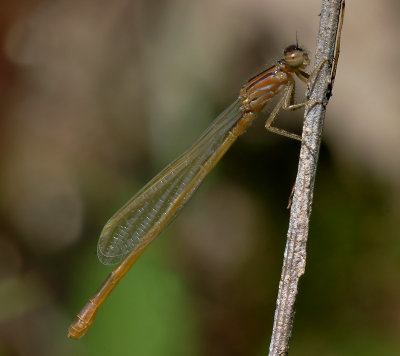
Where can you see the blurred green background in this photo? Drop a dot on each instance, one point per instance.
(97, 96)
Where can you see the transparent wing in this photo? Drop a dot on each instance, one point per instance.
(145, 215)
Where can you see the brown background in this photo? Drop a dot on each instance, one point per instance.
(97, 96)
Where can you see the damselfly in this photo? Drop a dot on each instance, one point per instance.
(129, 232)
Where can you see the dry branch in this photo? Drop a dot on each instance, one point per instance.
(319, 90)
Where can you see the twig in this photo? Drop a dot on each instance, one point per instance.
(319, 90)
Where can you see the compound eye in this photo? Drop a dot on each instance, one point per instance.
(295, 57)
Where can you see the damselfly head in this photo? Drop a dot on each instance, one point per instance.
(296, 57)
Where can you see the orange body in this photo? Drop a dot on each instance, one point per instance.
(264, 86)
(197, 162)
